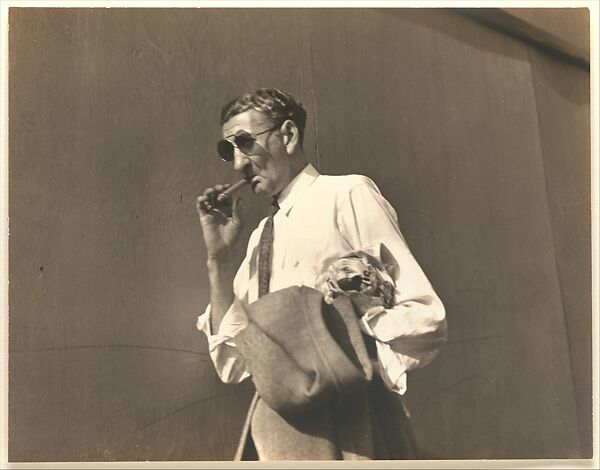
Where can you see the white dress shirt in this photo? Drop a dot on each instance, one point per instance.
(320, 219)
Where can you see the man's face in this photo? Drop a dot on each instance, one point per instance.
(268, 164)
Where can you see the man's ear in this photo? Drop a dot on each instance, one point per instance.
(290, 136)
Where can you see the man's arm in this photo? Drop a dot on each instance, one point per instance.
(410, 333)
(221, 234)
(221, 274)
(221, 228)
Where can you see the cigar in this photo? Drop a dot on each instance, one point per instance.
(235, 187)
(232, 189)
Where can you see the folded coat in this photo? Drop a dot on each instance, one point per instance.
(316, 394)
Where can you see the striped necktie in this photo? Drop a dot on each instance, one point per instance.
(264, 253)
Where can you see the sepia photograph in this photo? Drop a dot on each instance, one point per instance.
(299, 233)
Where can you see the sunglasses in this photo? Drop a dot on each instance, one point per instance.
(243, 141)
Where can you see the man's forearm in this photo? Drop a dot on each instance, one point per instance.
(220, 278)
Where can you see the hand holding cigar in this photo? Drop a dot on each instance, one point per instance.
(218, 199)
(220, 219)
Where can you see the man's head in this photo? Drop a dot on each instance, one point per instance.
(277, 105)
(263, 133)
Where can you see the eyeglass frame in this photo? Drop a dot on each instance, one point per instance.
(234, 145)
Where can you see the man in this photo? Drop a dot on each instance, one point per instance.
(319, 218)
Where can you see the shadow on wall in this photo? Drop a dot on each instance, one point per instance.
(440, 24)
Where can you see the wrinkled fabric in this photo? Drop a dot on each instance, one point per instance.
(312, 371)
(302, 351)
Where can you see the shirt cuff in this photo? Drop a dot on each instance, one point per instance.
(392, 368)
(369, 315)
(234, 321)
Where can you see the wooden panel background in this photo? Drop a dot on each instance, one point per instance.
(563, 96)
(455, 147)
(113, 118)
(113, 129)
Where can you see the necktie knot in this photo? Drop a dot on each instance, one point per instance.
(274, 207)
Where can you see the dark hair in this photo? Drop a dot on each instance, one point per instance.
(275, 104)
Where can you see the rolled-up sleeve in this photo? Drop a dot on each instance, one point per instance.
(228, 362)
(410, 334)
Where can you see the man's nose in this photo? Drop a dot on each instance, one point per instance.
(240, 160)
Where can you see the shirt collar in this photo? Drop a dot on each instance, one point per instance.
(292, 192)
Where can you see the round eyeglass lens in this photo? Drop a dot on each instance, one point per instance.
(225, 150)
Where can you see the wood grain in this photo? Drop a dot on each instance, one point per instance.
(443, 117)
(114, 120)
(113, 124)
